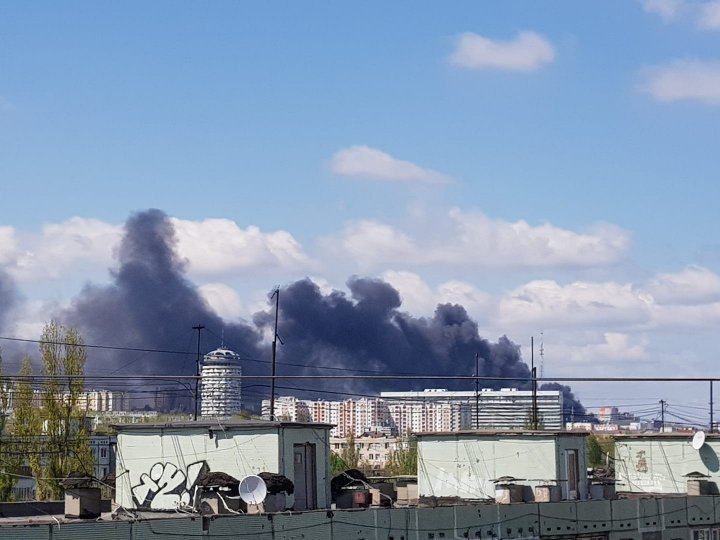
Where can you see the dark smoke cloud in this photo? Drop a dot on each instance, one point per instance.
(150, 304)
(573, 410)
(367, 331)
(8, 298)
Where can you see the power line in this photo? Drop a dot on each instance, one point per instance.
(89, 346)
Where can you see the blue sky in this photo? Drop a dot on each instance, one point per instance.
(552, 166)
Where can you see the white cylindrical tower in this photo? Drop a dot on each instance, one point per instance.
(220, 391)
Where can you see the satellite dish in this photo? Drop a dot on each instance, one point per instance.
(698, 440)
(253, 489)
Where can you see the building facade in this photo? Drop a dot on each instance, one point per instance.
(397, 413)
(220, 393)
(469, 464)
(373, 449)
(508, 408)
(159, 465)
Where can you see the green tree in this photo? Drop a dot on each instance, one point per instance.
(351, 453)
(66, 441)
(594, 451)
(337, 464)
(26, 429)
(8, 466)
(403, 460)
(601, 450)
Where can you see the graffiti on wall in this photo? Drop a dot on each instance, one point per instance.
(166, 487)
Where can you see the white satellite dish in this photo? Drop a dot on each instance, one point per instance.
(253, 489)
(698, 440)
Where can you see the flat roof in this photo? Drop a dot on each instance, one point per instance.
(467, 393)
(504, 433)
(658, 435)
(215, 425)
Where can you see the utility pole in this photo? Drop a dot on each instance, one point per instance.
(477, 391)
(199, 329)
(275, 295)
(533, 372)
(712, 429)
(662, 415)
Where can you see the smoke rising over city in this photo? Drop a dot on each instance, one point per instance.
(8, 297)
(150, 304)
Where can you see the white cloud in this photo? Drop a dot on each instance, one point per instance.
(546, 303)
(689, 299)
(709, 18)
(666, 9)
(615, 348)
(473, 238)
(211, 247)
(373, 163)
(8, 245)
(370, 243)
(692, 286)
(420, 299)
(60, 246)
(528, 51)
(218, 246)
(690, 80)
(224, 300)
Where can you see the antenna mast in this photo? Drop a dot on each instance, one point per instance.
(542, 354)
(199, 329)
(533, 372)
(275, 295)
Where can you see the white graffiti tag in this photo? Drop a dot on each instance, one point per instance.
(166, 487)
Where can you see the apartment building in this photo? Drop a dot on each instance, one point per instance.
(396, 413)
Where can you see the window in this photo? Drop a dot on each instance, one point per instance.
(701, 534)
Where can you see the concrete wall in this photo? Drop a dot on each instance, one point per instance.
(158, 469)
(464, 465)
(565, 443)
(673, 518)
(657, 464)
(321, 439)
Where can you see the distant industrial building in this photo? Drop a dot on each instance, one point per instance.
(220, 393)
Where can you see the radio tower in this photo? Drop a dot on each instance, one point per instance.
(542, 355)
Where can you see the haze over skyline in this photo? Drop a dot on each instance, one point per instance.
(550, 170)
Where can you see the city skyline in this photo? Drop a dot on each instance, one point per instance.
(551, 170)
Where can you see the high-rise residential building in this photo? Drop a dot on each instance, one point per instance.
(507, 408)
(220, 392)
(101, 400)
(87, 401)
(429, 410)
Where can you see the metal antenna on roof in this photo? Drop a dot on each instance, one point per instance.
(199, 329)
(542, 354)
(533, 374)
(275, 295)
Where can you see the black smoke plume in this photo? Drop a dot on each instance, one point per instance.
(367, 333)
(151, 305)
(573, 410)
(8, 298)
